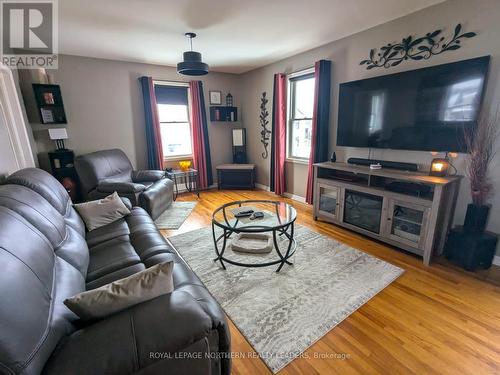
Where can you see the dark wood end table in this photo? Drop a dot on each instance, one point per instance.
(236, 176)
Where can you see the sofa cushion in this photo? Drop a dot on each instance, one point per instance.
(124, 293)
(111, 256)
(115, 275)
(108, 232)
(121, 248)
(101, 212)
(127, 187)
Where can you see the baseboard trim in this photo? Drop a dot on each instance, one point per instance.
(297, 198)
(262, 187)
(496, 260)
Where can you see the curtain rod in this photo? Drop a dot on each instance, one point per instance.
(166, 82)
(309, 69)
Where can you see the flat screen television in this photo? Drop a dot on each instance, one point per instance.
(427, 109)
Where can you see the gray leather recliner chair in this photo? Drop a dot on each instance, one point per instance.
(103, 172)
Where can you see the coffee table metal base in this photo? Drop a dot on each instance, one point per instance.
(286, 231)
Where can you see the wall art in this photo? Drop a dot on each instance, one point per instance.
(265, 132)
(410, 48)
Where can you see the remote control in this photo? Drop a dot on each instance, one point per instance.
(257, 215)
(243, 213)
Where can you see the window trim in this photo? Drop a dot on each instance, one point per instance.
(177, 84)
(295, 76)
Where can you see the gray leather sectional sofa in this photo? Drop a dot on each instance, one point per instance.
(46, 255)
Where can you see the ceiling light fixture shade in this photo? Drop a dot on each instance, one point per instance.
(192, 64)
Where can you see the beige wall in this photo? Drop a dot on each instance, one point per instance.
(104, 104)
(481, 16)
(104, 107)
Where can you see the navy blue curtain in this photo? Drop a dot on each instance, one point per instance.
(320, 122)
(322, 110)
(208, 158)
(153, 135)
(273, 141)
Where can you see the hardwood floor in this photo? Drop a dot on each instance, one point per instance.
(431, 320)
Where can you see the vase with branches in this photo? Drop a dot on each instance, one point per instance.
(481, 149)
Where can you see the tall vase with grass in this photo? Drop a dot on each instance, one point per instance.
(480, 145)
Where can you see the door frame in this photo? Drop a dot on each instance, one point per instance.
(12, 117)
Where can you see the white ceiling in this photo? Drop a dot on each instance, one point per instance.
(233, 35)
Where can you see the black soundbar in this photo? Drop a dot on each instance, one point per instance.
(385, 164)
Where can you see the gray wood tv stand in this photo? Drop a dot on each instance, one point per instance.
(410, 210)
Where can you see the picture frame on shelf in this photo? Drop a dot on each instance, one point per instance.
(215, 97)
(49, 103)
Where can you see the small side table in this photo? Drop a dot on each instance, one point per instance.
(190, 177)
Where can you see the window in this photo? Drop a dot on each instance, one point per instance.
(173, 113)
(462, 99)
(377, 113)
(301, 103)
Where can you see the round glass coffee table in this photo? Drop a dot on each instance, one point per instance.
(278, 221)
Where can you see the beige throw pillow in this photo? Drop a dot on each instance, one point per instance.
(124, 293)
(102, 212)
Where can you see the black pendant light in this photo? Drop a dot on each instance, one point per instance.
(192, 64)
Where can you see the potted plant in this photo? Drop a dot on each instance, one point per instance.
(480, 145)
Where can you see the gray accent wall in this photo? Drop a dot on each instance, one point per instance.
(104, 107)
(481, 16)
(103, 99)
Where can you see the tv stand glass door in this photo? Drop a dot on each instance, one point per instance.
(407, 222)
(329, 199)
(363, 210)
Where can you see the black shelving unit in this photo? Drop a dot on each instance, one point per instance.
(63, 168)
(223, 114)
(49, 103)
(62, 163)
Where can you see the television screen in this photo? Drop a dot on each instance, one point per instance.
(427, 109)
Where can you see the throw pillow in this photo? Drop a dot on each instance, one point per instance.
(124, 293)
(102, 212)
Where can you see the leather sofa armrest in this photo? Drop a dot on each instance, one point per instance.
(136, 338)
(158, 197)
(147, 175)
(120, 187)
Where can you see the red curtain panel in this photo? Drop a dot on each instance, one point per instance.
(278, 184)
(153, 134)
(199, 135)
(320, 122)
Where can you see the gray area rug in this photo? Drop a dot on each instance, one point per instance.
(175, 215)
(282, 314)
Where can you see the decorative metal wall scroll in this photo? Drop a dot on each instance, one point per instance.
(265, 132)
(415, 49)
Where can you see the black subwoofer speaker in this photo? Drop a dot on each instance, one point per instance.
(470, 250)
